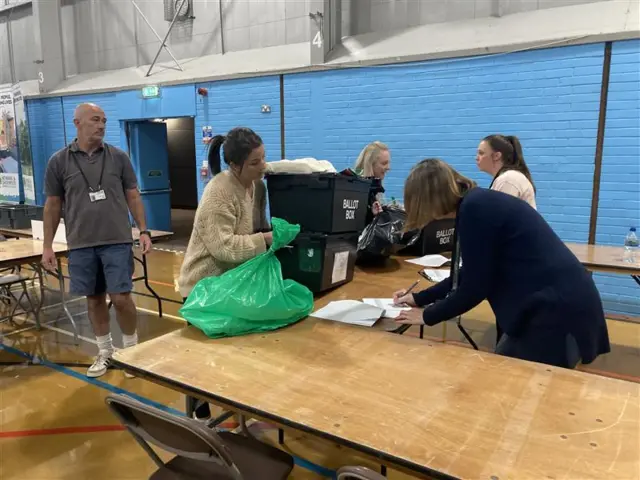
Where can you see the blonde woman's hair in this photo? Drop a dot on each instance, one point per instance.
(432, 190)
(368, 157)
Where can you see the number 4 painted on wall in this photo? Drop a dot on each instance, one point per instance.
(317, 40)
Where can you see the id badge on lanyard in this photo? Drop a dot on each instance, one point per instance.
(98, 194)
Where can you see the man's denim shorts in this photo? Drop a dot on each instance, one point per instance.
(102, 269)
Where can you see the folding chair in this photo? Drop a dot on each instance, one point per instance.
(8, 280)
(201, 453)
(358, 473)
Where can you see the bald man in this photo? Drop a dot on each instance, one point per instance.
(98, 187)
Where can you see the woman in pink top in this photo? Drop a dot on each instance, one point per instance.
(501, 157)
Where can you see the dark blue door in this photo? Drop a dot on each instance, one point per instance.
(150, 159)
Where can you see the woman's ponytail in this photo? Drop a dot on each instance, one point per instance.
(518, 159)
(512, 155)
(213, 157)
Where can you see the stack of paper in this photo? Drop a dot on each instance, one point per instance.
(350, 311)
(434, 261)
(365, 313)
(436, 275)
(391, 310)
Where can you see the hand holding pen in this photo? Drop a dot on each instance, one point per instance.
(403, 298)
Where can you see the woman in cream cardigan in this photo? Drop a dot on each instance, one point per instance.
(230, 225)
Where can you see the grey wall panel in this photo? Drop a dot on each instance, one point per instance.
(236, 39)
(297, 30)
(109, 34)
(266, 11)
(433, 12)
(346, 18)
(462, 9)
(111, 29)
(205, 38)
(365, 16)
(565, 3)
(297, 8)
(26, 48)
(235, 14)
(361, 17)
(297, 21)
(154, 11)
(147, 52)
(508, 7)
(5, 61)
(484, 8)
(391, 15)
(267, 34)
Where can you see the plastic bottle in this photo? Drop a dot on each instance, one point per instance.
(631, 246)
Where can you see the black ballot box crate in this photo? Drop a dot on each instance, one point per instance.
(319, 261)
(436, 237)
(320, 202)
(18, 216)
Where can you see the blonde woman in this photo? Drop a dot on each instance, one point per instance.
(544, 300)
(374, 161)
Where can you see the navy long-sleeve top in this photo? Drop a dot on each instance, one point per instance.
(513, 259)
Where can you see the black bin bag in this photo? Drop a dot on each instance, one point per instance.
(385, 236)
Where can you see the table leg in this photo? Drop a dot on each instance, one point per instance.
(466, 335)
(38, 269)
(64, 303)
(244, 428)
(146, 284)
(214, 422)
(636, 278)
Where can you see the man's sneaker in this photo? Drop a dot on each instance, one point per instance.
(100, 365)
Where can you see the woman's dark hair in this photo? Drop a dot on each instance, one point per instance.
(512, 157)
(238, 144)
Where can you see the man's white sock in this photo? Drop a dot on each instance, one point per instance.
(129, 340)
(105, 344)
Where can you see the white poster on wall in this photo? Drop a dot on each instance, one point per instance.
(24, 146)
(9, 188)
(9, 167)
(29, 189)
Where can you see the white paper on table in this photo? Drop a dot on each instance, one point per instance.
(350, 311)
(386, 304)
(436, 275)
(430, 261)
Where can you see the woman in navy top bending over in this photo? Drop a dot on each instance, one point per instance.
(544, 300)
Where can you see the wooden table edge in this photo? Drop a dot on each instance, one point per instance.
(397, 463)
(32, 258)
(599, 268)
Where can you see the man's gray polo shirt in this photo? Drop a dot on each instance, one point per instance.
(90, 224)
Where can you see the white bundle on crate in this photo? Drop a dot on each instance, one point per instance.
(300, 165)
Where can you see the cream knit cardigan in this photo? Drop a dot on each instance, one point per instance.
(223, 232)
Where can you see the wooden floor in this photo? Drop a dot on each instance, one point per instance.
(54, 424)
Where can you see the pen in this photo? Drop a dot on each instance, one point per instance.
(415, 284)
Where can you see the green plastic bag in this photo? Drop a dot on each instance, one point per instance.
(252, 297)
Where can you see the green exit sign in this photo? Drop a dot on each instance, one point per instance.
(150, 91)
